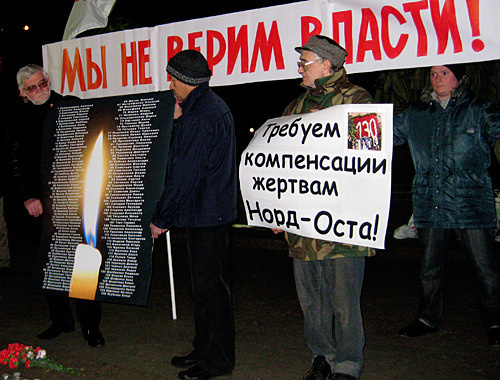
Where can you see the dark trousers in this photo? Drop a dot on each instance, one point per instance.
(478, 245)
(88, 312)
(211, 291)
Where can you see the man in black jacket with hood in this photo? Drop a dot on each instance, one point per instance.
(200, 194)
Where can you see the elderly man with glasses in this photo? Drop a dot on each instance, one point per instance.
(34, 87)
(328, 275)
(25, 137)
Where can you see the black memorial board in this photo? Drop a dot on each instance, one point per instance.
(114, 262)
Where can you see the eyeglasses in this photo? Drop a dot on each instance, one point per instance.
(304, 64)
(42, 84)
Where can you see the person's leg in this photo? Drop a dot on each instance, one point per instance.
(211, 290)
(89, 315)
(60, 311)
(60, 315)
(316, 304)
(479, 244)
(4, 241)
(345, 286)
(434, 243)
(311, 281)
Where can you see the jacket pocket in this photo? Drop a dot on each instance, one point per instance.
(473, 205)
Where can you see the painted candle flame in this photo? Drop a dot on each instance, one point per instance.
(92, 193)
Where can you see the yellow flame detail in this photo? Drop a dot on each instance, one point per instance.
(92, 193)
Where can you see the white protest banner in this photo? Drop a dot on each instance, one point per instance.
(393, 34)
(325, 174)
(258, 45)
(103, 65)
(240, 48)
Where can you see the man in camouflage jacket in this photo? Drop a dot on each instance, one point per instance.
(328, 275)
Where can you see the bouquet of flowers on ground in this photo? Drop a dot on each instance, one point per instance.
(18, 354)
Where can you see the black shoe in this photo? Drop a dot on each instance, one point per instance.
(54, 331)
(196, 373)
(184, 361)
(320, 369)
(94, 338)
(417, 328)
(493, 335)
(341, 376)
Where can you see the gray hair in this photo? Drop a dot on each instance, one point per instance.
(27, 72)
(327, 49)
(316, 56)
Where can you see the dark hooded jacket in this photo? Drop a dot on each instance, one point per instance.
(451, 153)
(201, 184)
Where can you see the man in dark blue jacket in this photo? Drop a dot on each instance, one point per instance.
(450, 133)
(200, 194)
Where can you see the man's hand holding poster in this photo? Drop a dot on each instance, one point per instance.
(325, 174)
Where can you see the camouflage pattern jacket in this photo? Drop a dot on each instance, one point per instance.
(329, 91)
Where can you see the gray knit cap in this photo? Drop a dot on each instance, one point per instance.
(326, 48)
(190, 67)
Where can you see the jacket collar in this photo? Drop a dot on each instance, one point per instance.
(193, 96)
(327, 84)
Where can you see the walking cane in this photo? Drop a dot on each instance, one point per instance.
(171, 275)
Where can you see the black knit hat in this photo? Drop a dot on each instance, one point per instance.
(457, 69)
(190, 67)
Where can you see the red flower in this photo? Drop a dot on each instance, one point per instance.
(17, 354)
(13, 362)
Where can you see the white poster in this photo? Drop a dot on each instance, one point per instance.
(325, 174)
